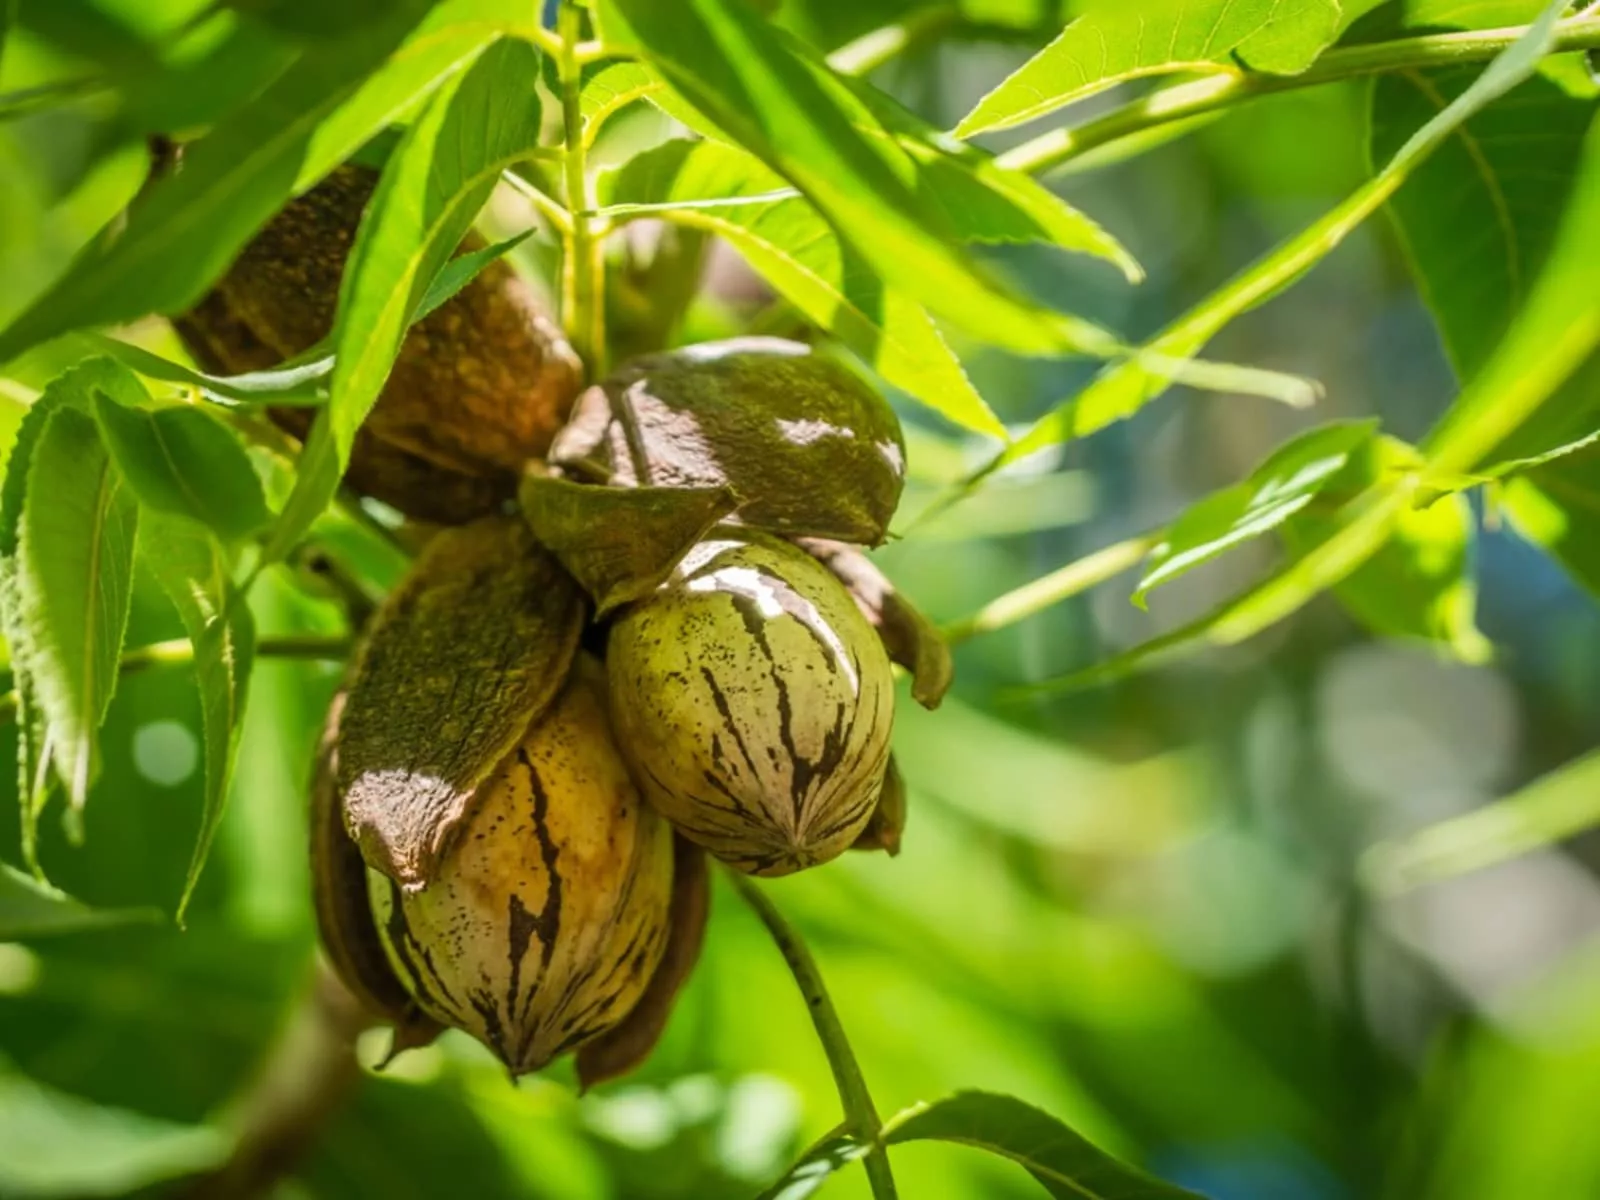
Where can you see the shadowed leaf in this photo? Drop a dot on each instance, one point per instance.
(1065, 1163)
(193, 569)
(30, 909)
(1112, 42)
(183, 462)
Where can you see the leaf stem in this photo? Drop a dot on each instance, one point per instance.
(583, 263)
(1229, 87)
(871, 50)
(1077, 576)
(179, 651)
(861, 1117)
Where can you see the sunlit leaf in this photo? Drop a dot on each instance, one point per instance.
(1122, 389)
(1551, 809)
(798, 253)
(75, 566)
(1364, 527)
(1281, 486)
(462, 270)
(984, 201)
(71, 390)
(193, 569)
(805, 122)
(436, 181)
(1112, 42)
(610, 90)
(30, 909)
(1066, 1164)
(183, 461)
(1417, 585)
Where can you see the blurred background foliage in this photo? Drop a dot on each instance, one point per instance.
(1138, 906)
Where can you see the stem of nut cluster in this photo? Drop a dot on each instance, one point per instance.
(180, 651)
(861, 1116)
(583, 263)
(1228, 88)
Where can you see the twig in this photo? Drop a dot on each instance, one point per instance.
(871, 50)
(1228, 88)
(583, 264)
(860, 1115)
(1070, 580)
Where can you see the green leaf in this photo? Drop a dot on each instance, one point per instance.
(1066, 1164)
(1552, 808)
(805, 122)
(436, 181)
(789, 243)
(75, 565)
(56, 1145)
(293, 384)
(30, 909)
(70, 390)
(1557, 506)
(462, 270)
(1478, 219)
(182, 461)
(1281, 486)
(1293, 37)
(814, 1167)
(1113, 42)
(984, 201)
(619, 543)
(183, 234)
(1417, 584)
(1516, 405)
(193, 569)
(611, 89)
(1123, 388)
